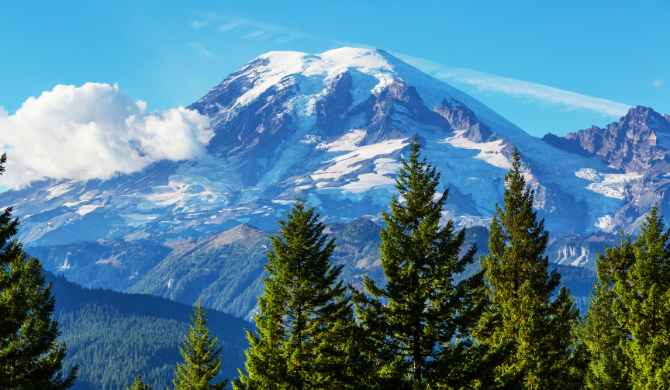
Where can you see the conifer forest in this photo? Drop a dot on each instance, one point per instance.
(444, 315)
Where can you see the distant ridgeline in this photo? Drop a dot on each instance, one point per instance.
(115, 336)
(226, 269)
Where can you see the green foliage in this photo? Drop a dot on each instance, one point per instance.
(520, 288)
(30, 355)
(600, 332)
(225, 270)
(415, 318)
(202, 360)
(643, 307)
(303, 316)
(114, 336)
(138, 384)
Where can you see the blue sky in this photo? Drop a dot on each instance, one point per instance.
(546, 66)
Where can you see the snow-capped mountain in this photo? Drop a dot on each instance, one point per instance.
(333, 127)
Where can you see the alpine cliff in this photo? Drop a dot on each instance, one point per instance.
(333, 127)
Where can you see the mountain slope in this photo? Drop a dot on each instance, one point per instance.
(333, 127)
(114, 336)
(637, 151)
(226, 270)
(115, 264)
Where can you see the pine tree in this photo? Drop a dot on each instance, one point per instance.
(520, 289)
(415, 318)
(600, 332)
(30, 356)
(138, 384)
(304, 337)
(643, 307)
(202, 360)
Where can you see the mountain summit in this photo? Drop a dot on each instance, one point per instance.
(333, 127)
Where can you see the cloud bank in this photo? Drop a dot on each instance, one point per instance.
(517, 88)
(94, 131)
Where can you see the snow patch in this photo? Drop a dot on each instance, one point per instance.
(280, 64)
(59, 190)
(83, 210)
(614, 185)
(606, 224)
(491, 152)
(588, 174)
(65, 266)
(574, 256)
(367, 181)
(346, 142)
(347, 163)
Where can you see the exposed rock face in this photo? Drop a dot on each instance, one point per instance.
(462, 118)
(397, 105)
(331, 111)
(632, 144)
(224, 95)
(258, 126)
(569, 144)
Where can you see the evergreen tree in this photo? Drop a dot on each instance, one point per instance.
(416, 317)
(201, 357)
(305, 337)
(138, 384)
(520, 290)
(600, 332)
(30, 356)
(643, 307)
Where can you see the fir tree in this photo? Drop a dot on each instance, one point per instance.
(520, 289)
(600, 332)
(416, 317)
(201, 357)
(304, 337)
(30, 356)
(643, 307)
(138, 384)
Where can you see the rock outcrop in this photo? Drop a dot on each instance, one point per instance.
(633, 144)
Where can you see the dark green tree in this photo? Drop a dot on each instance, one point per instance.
(600, 332)
(420, 321)
(30, 356)
(304, 323)
(138, 384)
(643, 307)
(202, 360)
(520, 290)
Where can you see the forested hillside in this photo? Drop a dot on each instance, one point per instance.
(115, 336)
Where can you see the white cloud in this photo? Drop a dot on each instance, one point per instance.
(256, 34)
(196, 24)
(262, 30)
(200, 50)
(517, 88)
(227, 26)
(94, 131)
(658, 82)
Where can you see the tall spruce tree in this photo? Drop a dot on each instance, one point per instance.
(138, 384)
(520, 289)
(304, 338)
(600, 332)
(416, 317)
(202, 360)
(643, 307)
(30, 356)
